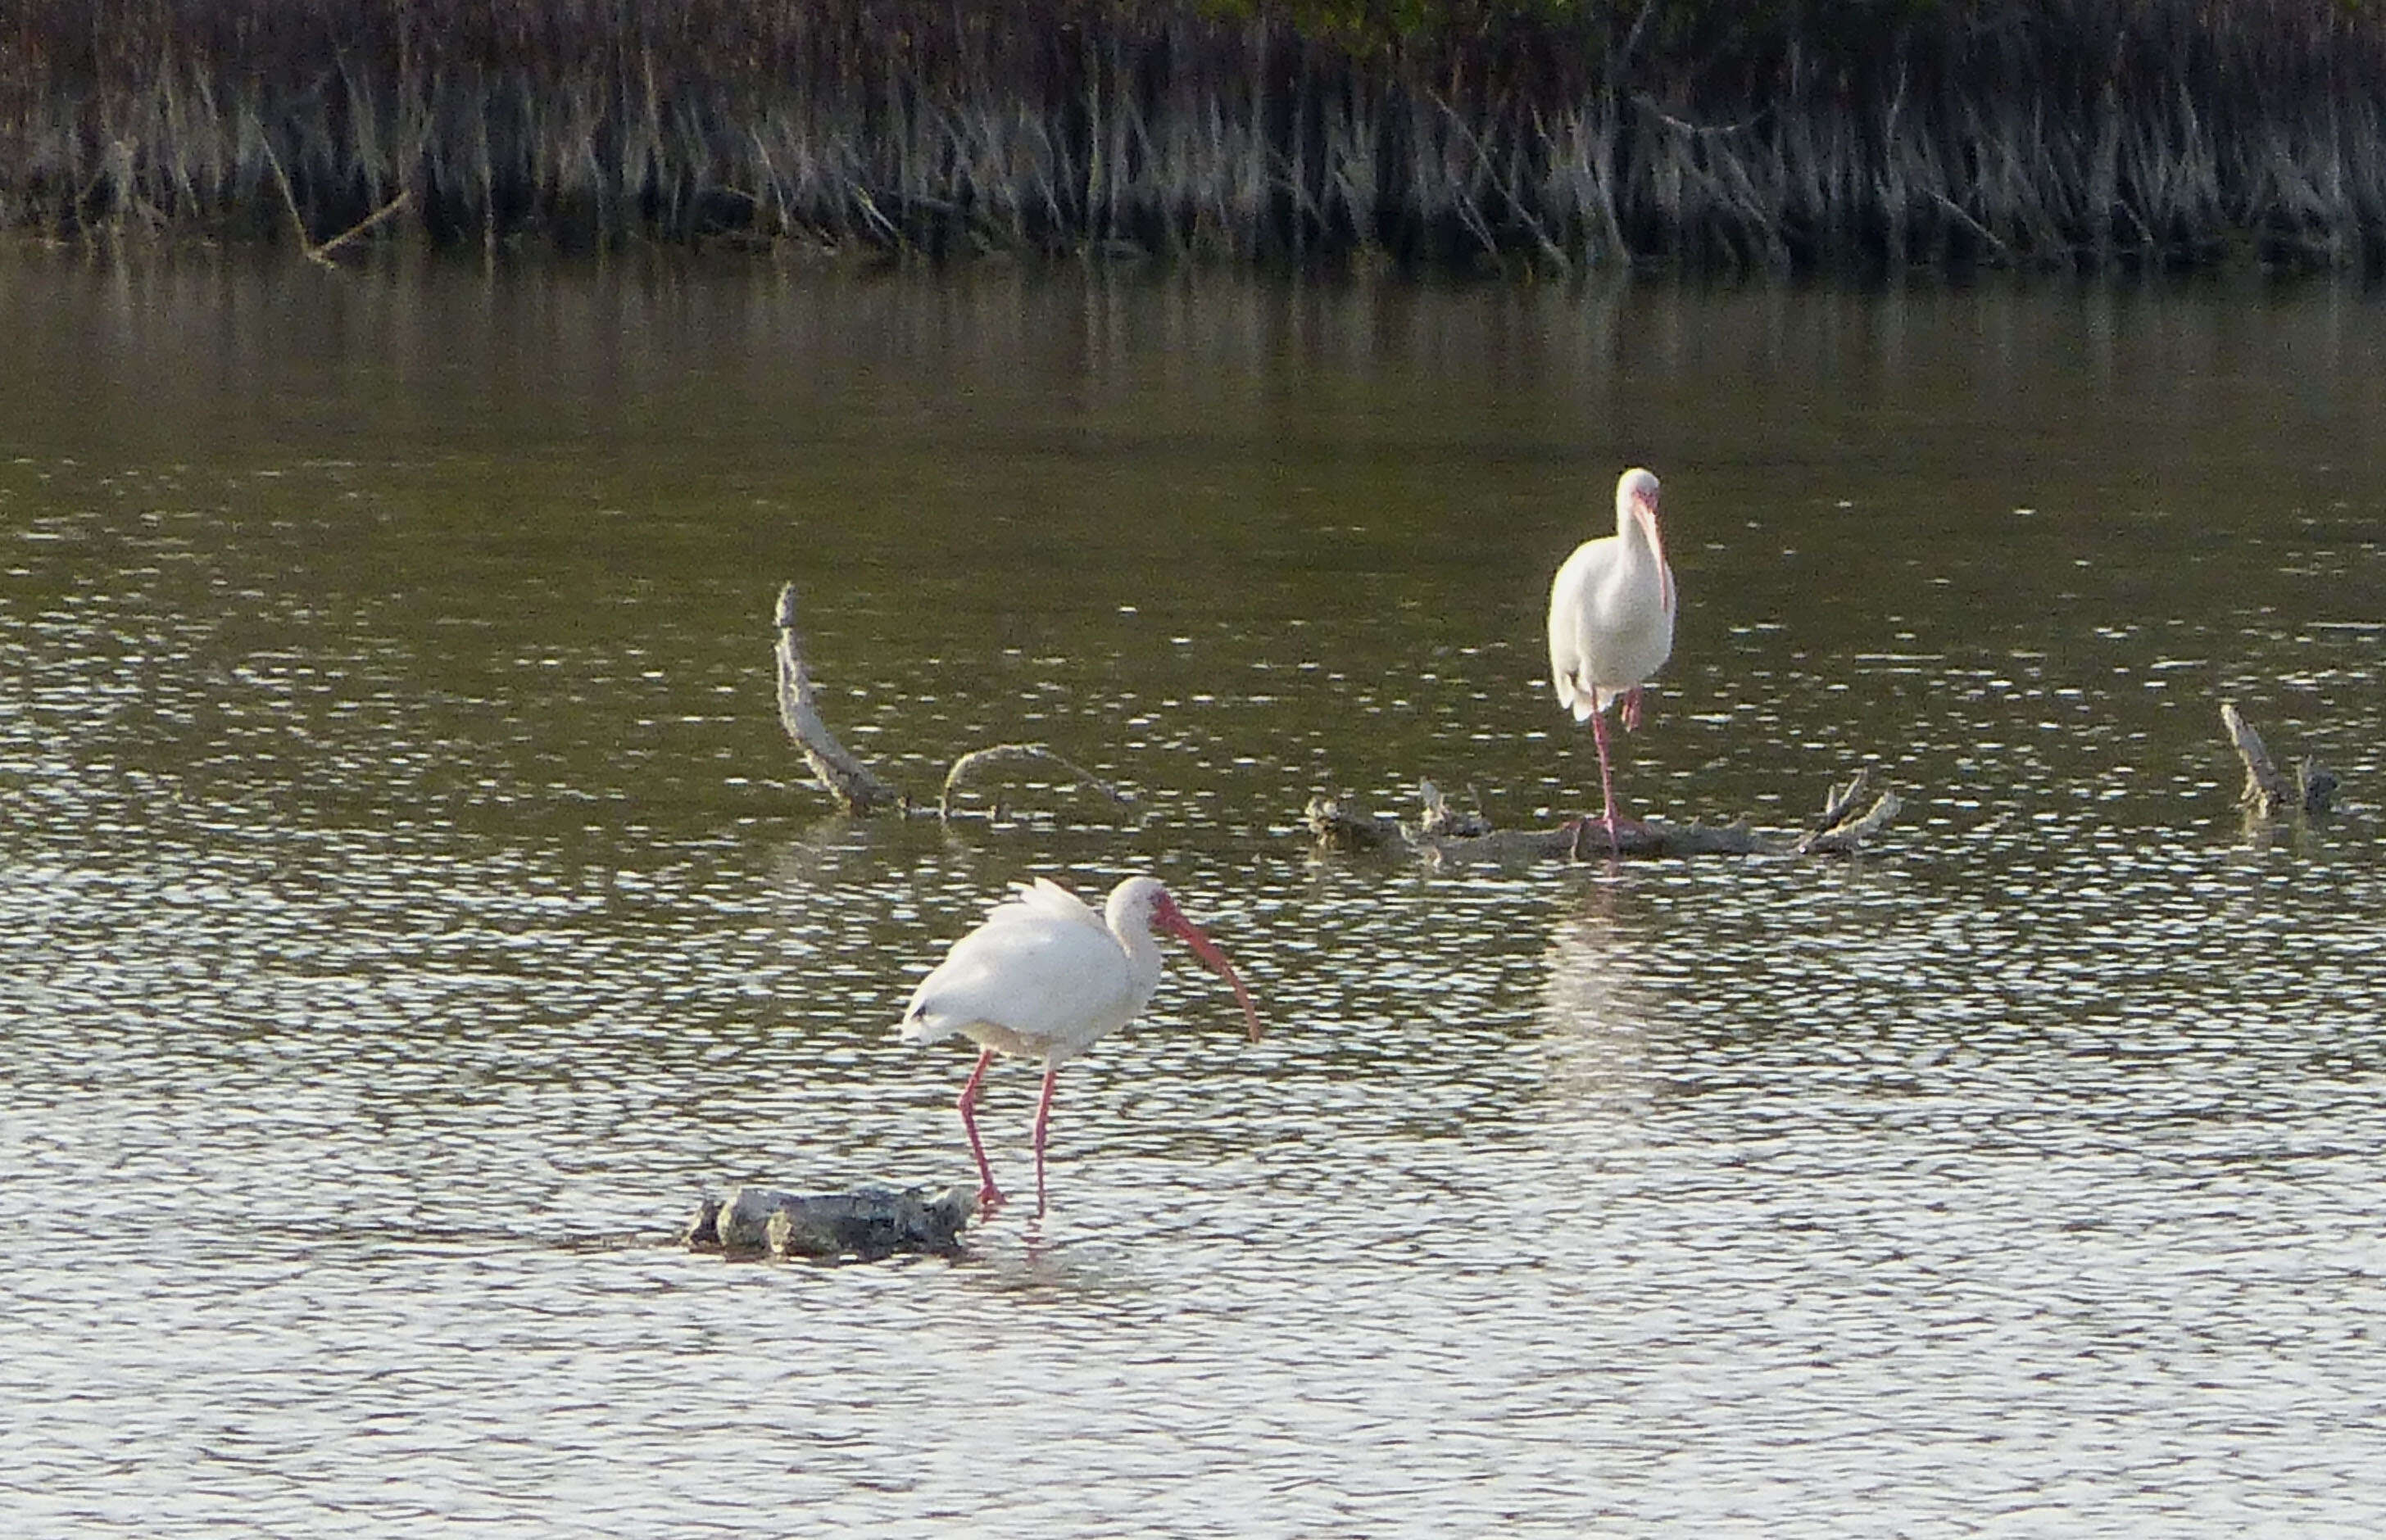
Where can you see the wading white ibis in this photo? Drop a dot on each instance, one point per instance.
(1047, 977)
(1612, 622)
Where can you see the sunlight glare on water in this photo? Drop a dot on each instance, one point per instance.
(411, 905)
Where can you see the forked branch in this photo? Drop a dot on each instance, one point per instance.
(859, 790)
(967, 767)
(2268, 791)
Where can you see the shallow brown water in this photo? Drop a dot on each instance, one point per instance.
(409, 905)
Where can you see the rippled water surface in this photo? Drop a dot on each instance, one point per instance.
(409, 905)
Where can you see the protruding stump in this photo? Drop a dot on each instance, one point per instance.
(869, 1223)
(1846, 822)
(857, 788)
(2268, 791)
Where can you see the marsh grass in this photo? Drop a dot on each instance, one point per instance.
(2072, 133)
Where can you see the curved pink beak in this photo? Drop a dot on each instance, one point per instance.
(1646, 506)
(1170, 918)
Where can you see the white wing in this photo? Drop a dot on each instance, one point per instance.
(1611, 625)
(1043, 974)
(1571, 598)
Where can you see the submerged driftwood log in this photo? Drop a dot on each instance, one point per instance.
(1440, 833)
(2268, 791)
(869, 1224)
(859, 790)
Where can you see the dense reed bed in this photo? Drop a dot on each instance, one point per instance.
(1858, 136)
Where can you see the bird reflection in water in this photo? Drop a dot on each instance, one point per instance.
(1597, 1007)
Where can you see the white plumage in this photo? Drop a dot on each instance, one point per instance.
(1611, 620)
(1045, 977)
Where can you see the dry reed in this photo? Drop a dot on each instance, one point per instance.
(2080, 133)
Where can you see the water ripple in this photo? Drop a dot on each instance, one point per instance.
(409, 905)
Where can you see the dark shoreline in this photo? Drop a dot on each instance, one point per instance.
(2087, 135)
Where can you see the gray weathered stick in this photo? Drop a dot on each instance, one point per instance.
(2268, 791)
(856, 788)
(1842, 800)
(323, 251)
(290, 204)
(970, 764)
(1443, 821)
(1845, 834)
(1843, 827)
(2265, 787)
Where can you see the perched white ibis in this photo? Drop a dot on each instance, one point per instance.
(1047, 977)
(1612, 622)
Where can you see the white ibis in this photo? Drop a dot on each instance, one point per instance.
(1612, 622)
(1047, 977)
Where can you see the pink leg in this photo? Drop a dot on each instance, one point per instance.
(1043, 1117)
(1631, 709)
(1606, 782)
(989, 1197)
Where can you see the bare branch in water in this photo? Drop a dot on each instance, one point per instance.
(2265, 788)
(969, 765)
(859, 790)
(1842, 828)
(1846, 829)
(323, 253)
(855, 787)
(2268, 791)
(290, 202)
